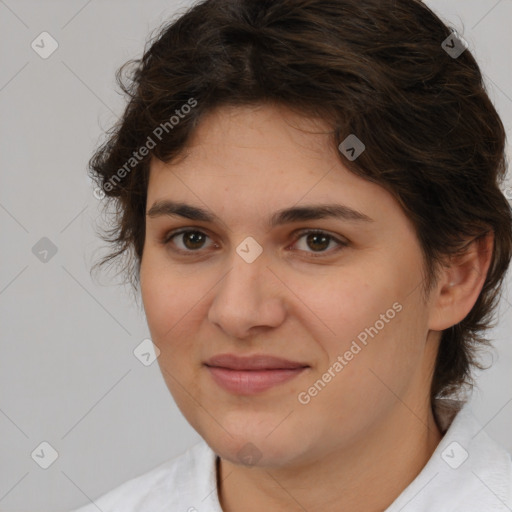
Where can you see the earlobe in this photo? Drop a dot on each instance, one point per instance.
(460, 284)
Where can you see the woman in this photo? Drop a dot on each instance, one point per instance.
(309, 190)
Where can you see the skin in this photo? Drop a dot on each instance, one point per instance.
(368, 433)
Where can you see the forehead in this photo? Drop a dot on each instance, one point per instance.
(250, 126)
(253, 143)
(251, 159)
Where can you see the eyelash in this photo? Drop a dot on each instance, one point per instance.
(167, 240)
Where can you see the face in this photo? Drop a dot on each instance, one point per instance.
(343, 304)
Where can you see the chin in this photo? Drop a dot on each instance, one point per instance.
(257, 449)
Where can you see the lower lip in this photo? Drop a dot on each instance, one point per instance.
(251, 382)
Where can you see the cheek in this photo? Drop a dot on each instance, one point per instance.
(370, 319)
(167, 296)
(337, 308)
(172, 309)
(175, 311)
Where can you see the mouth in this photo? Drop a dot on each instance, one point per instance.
(250, 375)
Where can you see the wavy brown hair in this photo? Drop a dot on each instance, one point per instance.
(374, 68)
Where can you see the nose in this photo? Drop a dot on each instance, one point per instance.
(248, 299)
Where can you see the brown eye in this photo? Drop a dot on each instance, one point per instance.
(187, 240)
(318, 242)
(193, 239)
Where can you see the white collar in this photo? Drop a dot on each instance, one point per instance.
(468, 471)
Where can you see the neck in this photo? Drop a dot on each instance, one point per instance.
(369, 474)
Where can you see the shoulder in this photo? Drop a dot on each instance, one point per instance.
(181, 483)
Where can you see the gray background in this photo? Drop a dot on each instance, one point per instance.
(68, 375)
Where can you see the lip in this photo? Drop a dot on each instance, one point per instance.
(250, 375)
(255, 362)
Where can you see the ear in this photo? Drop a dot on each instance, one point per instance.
(460, 283)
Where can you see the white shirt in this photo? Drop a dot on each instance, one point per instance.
(468, 472)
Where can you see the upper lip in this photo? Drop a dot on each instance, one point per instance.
(255, 362)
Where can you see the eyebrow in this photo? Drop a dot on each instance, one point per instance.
(284, 216)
